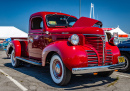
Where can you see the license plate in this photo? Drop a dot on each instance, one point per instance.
(121, 59)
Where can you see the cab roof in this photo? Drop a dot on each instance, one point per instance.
(47, 13)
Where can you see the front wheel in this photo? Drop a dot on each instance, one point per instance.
(105, 74)
(59, 73)
(15, 62)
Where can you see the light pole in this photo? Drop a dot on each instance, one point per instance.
(79, 8)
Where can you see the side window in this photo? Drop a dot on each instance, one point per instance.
(37, 23)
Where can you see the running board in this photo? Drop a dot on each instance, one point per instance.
(31, 61)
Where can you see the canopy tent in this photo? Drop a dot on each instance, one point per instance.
(119, 31)
(10, 31)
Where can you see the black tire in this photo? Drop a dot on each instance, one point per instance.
(15, 62)
(59, 73)
(105, 74)
(127, 60)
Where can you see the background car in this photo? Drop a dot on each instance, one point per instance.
(124, 48)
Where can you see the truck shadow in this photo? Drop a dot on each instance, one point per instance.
(77, 81)
(5, 58)
(124, 72)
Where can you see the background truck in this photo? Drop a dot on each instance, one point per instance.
(69, 45)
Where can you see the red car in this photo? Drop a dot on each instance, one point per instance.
(68, 44)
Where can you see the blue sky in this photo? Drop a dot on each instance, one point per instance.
(111, 12)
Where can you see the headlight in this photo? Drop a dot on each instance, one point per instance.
(74, 39)
(116, 41)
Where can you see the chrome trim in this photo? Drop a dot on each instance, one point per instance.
(97, 68)
(21, 39)
(103, 50)
(93, 61)
(108, 50)
(91, 54)
(88, 50)
(109, 56)
(92, 57)
(109, 60)
(29, 61)
(109, 53)
(94, 35)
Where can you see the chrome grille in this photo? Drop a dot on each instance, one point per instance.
(99, 44)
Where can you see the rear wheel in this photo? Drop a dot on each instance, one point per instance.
(8, 56)
(59, 73)
(105, 74)
(15, 62)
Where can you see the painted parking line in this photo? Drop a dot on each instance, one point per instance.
(13, 80)
(123, 75)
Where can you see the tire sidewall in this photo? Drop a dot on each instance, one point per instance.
(12, 60)
(57, 81)
(128, 62)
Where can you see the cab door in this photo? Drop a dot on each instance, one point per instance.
(36, 38)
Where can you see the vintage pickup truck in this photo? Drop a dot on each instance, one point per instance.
(69, 45)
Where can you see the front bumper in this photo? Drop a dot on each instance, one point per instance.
(97, 68)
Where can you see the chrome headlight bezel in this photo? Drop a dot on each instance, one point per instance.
(115, 41)
(74, 39)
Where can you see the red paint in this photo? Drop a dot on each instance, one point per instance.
(85, 22)
(111, 41)
(17, 47)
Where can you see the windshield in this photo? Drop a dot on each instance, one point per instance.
(60, 20)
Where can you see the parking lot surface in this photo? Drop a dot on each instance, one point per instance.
(35, 78)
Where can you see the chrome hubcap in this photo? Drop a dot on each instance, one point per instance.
(57, 69)
(13, 58)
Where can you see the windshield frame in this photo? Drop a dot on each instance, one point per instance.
(66, 19)
(55, 25)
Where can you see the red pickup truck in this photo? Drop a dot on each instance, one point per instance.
(68, 44)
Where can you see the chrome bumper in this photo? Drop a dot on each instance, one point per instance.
(97, 68)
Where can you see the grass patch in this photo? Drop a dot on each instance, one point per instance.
(111, 84)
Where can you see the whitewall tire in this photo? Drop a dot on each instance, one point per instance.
(15, 62)
(59, 73)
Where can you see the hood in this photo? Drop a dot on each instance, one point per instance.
(77, 30)
(82, 26)
(86, 22)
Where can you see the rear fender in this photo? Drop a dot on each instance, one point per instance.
(15, 44)
(72, 56)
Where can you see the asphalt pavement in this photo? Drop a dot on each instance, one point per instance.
(35, 78)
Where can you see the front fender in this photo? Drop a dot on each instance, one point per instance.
(72, 56)
(15, 44)
(115, 52)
